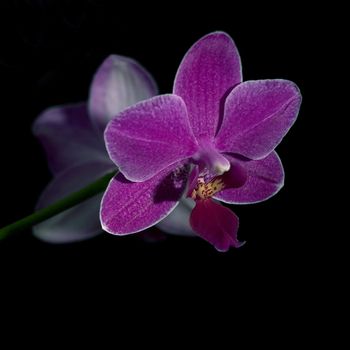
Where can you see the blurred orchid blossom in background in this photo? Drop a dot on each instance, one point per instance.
(214, 136)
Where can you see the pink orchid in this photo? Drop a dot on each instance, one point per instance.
(214, 136)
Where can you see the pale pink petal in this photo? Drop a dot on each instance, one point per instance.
(118, 83)
(178, 221)
(68, 137)
(80, 222)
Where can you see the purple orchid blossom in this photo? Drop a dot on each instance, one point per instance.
(214, 136)
(72, 136)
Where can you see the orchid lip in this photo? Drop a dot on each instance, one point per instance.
(207, 189)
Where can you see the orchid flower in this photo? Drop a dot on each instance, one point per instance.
(212, 139)
(72, 136)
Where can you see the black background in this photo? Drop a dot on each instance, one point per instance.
(48, 54)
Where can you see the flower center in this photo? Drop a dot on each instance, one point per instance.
(205, 190)
(212, 160)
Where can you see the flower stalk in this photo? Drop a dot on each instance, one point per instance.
(58, 207)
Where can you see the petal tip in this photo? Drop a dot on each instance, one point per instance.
(236, 245)
(118, 83)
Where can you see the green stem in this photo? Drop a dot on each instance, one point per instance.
(57, 207)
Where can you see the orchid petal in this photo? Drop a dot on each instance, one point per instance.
(149, 136)
(208, 71)
(80, 222)
(68, 137)
(118, 83)
(257, 116)
(216, 224)
(236, 177)
(178, 221)
(265, 178)
(129, 207)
